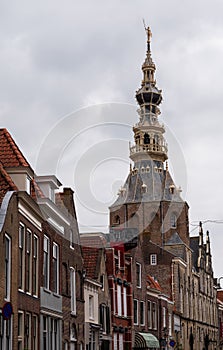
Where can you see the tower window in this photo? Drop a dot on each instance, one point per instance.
(146, 139)
(173, 220)
(117, 220)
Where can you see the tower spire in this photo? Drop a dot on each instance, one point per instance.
(148, 133)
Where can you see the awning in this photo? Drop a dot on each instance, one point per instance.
(146, 340)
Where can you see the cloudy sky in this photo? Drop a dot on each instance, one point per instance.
(68, 75)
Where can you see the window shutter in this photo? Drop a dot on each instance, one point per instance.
(108, 319)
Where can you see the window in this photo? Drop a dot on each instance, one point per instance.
(170, 324)
(21, 255)
(153, 259)
(119, 300)
(173, 220)
(20, 330)
(5, 333)
(91, 307)
(138, 275)
(28, 260)
(35, 264)
(154, 315)
(71, 239)
(28, 184)
(120, 341)
(149, 312)
(28, 331)
(45, 332)
(164, 317)
(102, 281)
(115, 341)
(7, 267)
(116, 220)
(55, 268)
(105, 318)
(35, 333)
(142, 313)
(73, 290)
(135, 303)
(124, 301)
(46, 257)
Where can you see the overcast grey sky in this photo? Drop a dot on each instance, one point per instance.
(59, 57)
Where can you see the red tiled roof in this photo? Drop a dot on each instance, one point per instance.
(10, 154)
(6, 183)
(153, 284)
(91, 256)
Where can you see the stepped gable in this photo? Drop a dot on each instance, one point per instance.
(10, 154)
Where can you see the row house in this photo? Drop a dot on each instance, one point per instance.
(94, 253)
(41, 267)
(220, 317)
(119, 272)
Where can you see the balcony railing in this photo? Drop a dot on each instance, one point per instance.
(148, 148)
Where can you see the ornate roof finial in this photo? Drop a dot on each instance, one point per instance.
(149, 36)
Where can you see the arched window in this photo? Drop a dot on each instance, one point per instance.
(156, 139)
(146, 139)
(116, 220)
(173, 220)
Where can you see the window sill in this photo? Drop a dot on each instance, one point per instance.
(46, 290)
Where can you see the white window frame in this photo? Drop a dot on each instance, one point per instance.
(35, 333)
(8, 263)
(164, 316)
(154, 315)
(170, 324)
(21, 328)
(46, 269)
(136, 313)
(115, 340)
(36, 264)
(6, 325)
(119, 299)
(149, 314)
(91, 306)
(56, 274)
(29, 261)
(153, 259)
(142, 313)
(22, 256)
(124, 301)
(120, 341)
(138, 282)
(73, 290)
(28, 327)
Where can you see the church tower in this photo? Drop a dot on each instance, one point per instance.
(149, 201)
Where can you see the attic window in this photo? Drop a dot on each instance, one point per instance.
(153, 259)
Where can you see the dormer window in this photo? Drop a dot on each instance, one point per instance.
(171, 189)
